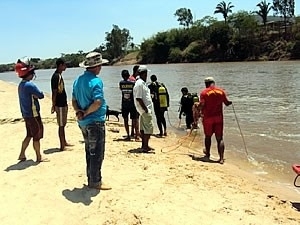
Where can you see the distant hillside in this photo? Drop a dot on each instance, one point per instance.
(129, 59)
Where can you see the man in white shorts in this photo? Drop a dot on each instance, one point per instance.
(143, 104)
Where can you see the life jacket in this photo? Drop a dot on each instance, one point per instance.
(163, 96)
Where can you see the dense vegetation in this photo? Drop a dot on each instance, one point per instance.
(241, 36)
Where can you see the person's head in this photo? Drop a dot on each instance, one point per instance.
(135, 70)
(184, 91)
(143, 72)
(125, 74)
(93, 62)
(209, 81)
(24, 70)
(60, 65)
(153, 78)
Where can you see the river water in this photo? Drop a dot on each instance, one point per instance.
(266, 112)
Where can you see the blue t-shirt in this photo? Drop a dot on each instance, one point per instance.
(28, 94)
(86, 89)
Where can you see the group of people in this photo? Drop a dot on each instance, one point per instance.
(139, 100)
(135, 94)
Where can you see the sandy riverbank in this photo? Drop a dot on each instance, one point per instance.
(160, 188)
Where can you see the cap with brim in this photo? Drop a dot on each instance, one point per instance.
(209, 79)
(143, 68)
(23, 70)
(93, 59)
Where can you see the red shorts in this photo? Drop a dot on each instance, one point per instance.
(213, 125)
(34, 128)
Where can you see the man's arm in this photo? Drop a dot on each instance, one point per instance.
(80, 113)
(54, 88)
(36, 93)
(225, 100)
(54, 94)
(140, 101)
(93, 107)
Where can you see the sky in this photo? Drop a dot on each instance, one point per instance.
(46, 28)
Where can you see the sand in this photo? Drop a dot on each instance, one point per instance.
(167, 187)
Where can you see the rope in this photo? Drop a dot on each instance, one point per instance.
(237, 121)
(180, 142)
(171, 123)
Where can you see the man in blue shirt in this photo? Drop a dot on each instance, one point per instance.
(30, 109)
(90, 107)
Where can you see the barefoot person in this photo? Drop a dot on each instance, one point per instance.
(161, 100)
(59, 101)
(143, 103)
(128, 107)
(211, 111)
(30, 109)
(90, 107)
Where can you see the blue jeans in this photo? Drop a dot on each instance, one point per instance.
(94, 139)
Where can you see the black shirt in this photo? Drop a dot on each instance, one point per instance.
(126, 87)
(57, 83)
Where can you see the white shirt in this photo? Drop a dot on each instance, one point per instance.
(142, 91)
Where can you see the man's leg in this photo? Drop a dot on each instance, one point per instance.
(62, 114)
(207, 146)
(163, 121)
(135, 124)
(62, 138)
(125, 114)
(147, 126)
(219, 137)
(189, 120)
(96, 139)
(221, 148)
(87, 153)
(126, 125)
(159, 123)
(24, 146)
(146, 142)
(37, 149)
(132, 129)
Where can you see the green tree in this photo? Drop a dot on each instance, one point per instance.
(220, 36)
(244, 39)
(224, 9)
(285, 8)
(185, 17)
(117, 42)
(264, 9)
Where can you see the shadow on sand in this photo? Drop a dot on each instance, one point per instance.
(140, 150)
(21, 165)
(80, 195)
(203, 159)
(51, 151)
(296, 206)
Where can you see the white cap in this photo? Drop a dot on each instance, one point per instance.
(209, 79)
(143, 68)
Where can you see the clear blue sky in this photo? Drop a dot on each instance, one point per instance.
(46, 28)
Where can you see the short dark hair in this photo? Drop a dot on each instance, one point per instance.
(184, 89)
(59, 62)
(135, 68)
(125, 74)
(153, 78)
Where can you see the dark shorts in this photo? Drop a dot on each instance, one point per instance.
(130, 110)
(213, 125)
(34, 128)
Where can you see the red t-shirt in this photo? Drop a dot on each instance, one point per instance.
(212, 99)
(132, 78)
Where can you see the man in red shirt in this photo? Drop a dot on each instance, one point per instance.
(211, 111)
